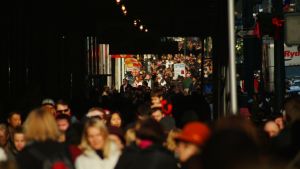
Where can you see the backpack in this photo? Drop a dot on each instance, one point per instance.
(58, 160)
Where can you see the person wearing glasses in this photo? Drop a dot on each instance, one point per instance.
(62, 107)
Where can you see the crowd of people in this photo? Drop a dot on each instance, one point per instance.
(161, 72)
(167, 130)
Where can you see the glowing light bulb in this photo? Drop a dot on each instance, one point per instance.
(125, 12)
(135, 22)
(141, 27)
(146, 30)
(123, 8)
(118, 1)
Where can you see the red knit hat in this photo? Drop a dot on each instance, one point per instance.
(194, 132)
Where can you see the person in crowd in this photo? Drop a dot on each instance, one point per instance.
(148, 79)
(280, 121)
(115, 120)
(63, 123)
(49, 104)
(157, 114)
(42, 134)
(287, 144)
(143, 111)
(168, 124)
(125, 86)
(171, 142)
(148, 151)
(98, 150)
(4, 137)
(161, 81)
(231, 148)
(138, 81)
(14, 120)
(96, 112)
(130, 136)
(18, 145)
(187, 83)
(62, 107)
(189, 144)
(106, 91)
(156, 98)
(271, 128)
(116, 134)
(73, 140)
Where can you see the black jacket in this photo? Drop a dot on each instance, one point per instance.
(154, 157)
(195, 162)
(27, 160)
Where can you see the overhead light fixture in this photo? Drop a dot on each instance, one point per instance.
(123, 8)
(141, 27)
(146, 30)
(125, 12)
(135, 22)
(118, 1)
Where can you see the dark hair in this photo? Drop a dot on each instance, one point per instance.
(74, 133)
(143, 110)
(150, 129)
(13, 113)
(19, 130)
(156, 109)
(62, 102)
(118, 132)
(108, 118)
(157, 93)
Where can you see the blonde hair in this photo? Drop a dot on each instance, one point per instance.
(40, 125)
(171, 143)
(100, 125)
(130, 136)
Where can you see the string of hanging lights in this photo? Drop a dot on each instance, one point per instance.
(136, 22)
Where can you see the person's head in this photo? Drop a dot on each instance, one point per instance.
(19, 139)
(95, 135)
(230, 149)
(171, 142)
(49, 109)
(40, 126)
(62, 107)
(292, 109)
(115, 119)
(193, 136)
(151, 130)
(156, 96)
(48, 103)
(125, 81)
(14, 119)
(63, 122)
(238, 123)
(271, 128)
(3, 135)
(96, 112)
(130, 136)
(157, 114)
(143, 111)
(280, 122)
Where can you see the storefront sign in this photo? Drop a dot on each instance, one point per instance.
(291, 55)
(179, 70)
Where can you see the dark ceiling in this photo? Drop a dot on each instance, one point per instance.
(104, 19)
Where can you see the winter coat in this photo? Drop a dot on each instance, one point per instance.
(153, 157)
(91, 160)
(27, 160)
